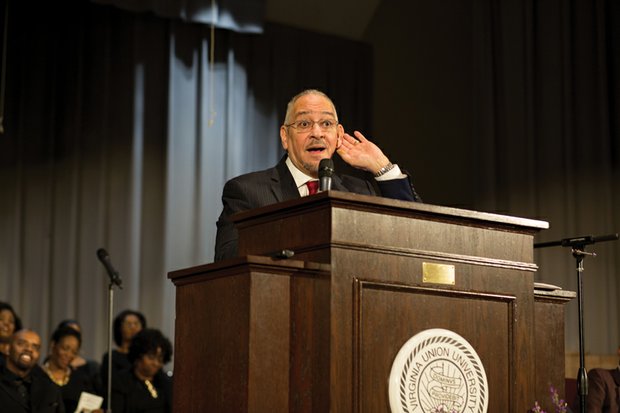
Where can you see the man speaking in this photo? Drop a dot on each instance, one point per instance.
(311, 132)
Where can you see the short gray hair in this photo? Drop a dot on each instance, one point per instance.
(291, 103)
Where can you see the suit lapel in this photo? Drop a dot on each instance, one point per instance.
(4, 387)
(16, 399)
(283, 185)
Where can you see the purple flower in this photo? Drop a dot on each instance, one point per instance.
(559, 404)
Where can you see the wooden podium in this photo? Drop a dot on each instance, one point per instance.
(319, 332)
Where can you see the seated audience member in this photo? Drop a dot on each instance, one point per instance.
(9, 323)
(604, 390)
(24, 386)
(91, 367)
(126, 325)
(64, 347)
(145, 387)
(311, 132)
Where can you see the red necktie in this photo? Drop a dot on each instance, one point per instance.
(313, 187)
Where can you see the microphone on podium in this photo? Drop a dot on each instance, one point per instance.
(326, 170)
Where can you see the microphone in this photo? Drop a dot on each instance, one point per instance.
(115, 278)
(326, 170)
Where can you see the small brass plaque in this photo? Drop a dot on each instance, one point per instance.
(437, 273)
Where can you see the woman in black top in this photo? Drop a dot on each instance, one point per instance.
(144, 388)
(86, 366)
(64, 347)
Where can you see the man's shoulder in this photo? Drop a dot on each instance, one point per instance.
(251, 177)
(602, 374)
(5, 375)
(257, 184)
(601, 370)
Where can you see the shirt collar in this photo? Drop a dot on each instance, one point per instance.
(299, 177)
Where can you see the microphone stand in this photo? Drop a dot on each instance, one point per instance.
(115, 280)
(578, 247)
(110, 332)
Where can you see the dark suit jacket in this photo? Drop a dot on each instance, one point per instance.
(273, 185)
(45, 396)
(603, 391)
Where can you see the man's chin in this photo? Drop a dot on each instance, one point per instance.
(23, 367)
(311, 168)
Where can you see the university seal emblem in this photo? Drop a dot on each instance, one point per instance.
(438, 371)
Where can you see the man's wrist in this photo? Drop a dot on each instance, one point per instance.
(387, 168)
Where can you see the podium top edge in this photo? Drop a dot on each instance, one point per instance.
(257, 261)
(414, 209)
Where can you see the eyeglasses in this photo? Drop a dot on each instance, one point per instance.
(306, 125)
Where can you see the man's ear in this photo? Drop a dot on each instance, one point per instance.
(340, 136)
(284, 137)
